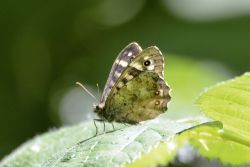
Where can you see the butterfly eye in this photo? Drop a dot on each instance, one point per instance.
(146, 63)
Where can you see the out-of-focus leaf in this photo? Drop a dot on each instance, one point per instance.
(187, 78)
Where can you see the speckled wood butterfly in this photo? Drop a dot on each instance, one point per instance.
(135, 90)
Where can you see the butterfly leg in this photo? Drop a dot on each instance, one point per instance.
(96, 128)
(126, 124)
(99, 120)
(104, 127)
(113, 126)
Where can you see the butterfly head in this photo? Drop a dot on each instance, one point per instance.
(98, 107)
(99, 110)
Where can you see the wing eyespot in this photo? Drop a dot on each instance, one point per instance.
(147, 63)
(157, 102)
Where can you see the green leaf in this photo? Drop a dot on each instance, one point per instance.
(208, 140)
(162, 154)
(229, 102)
(122, 146)
(166, 151)
(210, 143)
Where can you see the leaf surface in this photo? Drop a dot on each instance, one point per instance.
(127, 143)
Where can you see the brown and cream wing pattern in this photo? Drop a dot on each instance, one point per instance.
(150, 60)
(121, 62)
(141, 92)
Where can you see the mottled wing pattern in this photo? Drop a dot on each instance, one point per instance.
(140, 93)
(121, 62)
(150, 59)
(143, 98)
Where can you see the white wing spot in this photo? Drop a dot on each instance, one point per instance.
(123, 63)
(150, 68)
(117, 73)
(129, 77)
(161, 92)
(137, 65)
(129, 54)
(120, 84)
(111, 82)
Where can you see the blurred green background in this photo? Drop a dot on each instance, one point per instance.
(46, 46)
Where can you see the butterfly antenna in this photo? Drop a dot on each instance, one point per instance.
(98, 90)
(84, 88)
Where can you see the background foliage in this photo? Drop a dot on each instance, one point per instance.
(46, 46)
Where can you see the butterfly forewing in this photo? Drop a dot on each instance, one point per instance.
(121, 62)
(150, 59)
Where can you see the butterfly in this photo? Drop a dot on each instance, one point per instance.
(135, 90)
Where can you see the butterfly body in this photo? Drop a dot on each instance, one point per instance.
(136, 90)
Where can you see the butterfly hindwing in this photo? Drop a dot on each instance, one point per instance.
(143, 98)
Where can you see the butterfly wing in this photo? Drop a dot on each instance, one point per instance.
(144, 97)
(149, 60)
(140, 93)
(121, 62)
